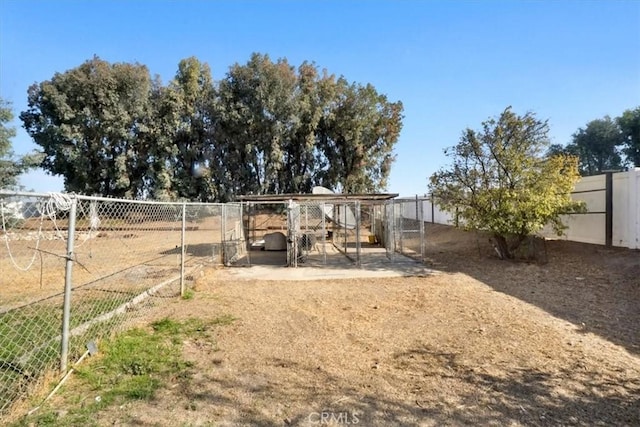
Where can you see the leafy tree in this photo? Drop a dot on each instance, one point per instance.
(559, 149)
(597, 146)
(501, 182)
(357, 138)
(10, 166)
(189, 119)
(303, 161)
(258, 121)
(158, 144)
(286, 130)
(629, 123)
(87, 121)
(266, 127)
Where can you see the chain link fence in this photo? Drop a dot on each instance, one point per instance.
(409, 227)
(320, 233)
(76, 269)
(309, 241)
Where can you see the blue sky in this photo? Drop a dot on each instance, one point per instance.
(452, 63)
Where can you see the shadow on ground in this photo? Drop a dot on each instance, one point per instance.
(595, 288)
(511, 397)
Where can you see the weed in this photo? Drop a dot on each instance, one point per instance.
(224, 320)
(188, 294)
(131, 366)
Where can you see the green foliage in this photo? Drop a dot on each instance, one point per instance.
(188, 294)
(500, 182)
(10, 166)
(358, 138)
(131, 366)
(189, 122)
(6, 133)
(603, 143)
(629, 123)
(91, 123)
(259, 119)
(265, 127)
(597, 146)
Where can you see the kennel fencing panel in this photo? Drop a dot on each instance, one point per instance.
(409, 228)
(346, 229)
(234, 242)
(311, 239)
(265, 226)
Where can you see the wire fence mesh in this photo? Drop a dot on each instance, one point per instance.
(409, 227)
(346, 229)
(312, 239)
(76, 269)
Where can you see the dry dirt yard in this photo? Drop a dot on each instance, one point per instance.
(484, 342)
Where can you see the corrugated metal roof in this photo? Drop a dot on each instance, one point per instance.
(300, 197)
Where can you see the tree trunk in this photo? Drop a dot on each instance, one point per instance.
(506, 247)
(502, 247)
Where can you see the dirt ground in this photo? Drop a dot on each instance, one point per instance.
(125, 257)
(485, 342)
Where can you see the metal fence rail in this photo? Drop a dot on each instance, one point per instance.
(76, 269)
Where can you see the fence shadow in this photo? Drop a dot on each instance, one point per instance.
(595, 288)
(513, 397)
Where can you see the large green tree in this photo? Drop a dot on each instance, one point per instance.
(629, 123)
(11, 166)
(189, 121)
(357, 137)
(87, 121)
(265, 127)
(259, 118)
(501, 182)
(303, 162)
(597, 146)
(286, 129)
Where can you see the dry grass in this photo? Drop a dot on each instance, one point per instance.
(487, 342)
(135, 253)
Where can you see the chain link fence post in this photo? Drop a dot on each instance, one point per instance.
(66, 307)
(324, 233)
(357, 214)
(182, 247)
(422, 230)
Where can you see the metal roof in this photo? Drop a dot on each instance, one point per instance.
(306, 197)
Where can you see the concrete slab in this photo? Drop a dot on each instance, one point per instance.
(374, 263)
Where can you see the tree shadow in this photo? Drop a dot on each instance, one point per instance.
(518, 396)
(595, 288)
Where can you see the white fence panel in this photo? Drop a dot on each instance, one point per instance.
(588, 227)
(585, 228)
(630, 235)
(591, 227)
(621, 210)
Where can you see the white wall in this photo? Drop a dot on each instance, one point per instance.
(590, 228)
(586, 228)
(629, 235)
(409, 211)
